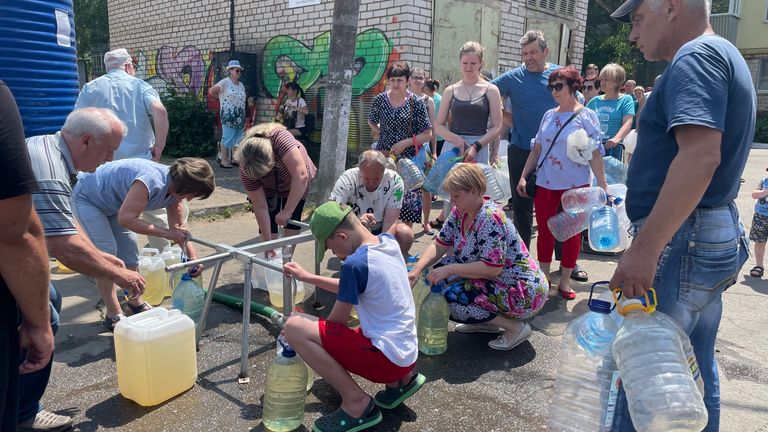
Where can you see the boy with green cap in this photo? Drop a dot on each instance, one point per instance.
(384, 348)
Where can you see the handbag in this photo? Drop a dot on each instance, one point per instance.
(530, 179)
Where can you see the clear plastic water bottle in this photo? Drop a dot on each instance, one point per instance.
(567, 224)
(286, 392)
(661, 392)
(189, 298)
(311, 374)
(690, 356)
(412, 176)
(420, 292)
(615, 170)
(492, 188)
(587, 379)
(443, 164)
(432, 326)
(603, 229)
(172, 255)
(586, 198)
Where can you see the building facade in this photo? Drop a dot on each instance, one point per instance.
(185, 43)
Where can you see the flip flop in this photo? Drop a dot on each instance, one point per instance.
(390, 397)
(579, 275)
(757, 271)
(340, 421)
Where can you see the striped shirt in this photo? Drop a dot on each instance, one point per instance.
(56, 175)
(282, 142)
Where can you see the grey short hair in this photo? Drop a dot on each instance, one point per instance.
(94, 121)
(533, 36)
(372, 157)
(699, 7)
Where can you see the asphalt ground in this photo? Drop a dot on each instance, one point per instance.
(469, 388)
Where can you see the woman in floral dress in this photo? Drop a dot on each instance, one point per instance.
(231, 94)
(493, 284)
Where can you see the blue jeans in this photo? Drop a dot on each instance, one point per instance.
(32, 385)
(700, 262)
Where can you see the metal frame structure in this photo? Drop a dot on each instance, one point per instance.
(246, 254)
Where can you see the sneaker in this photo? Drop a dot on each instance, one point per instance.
(478, 328)
(110, 322)
(46, 421)
(502, 344)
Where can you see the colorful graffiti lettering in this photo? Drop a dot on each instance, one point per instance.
(286, 59)
(187, 70)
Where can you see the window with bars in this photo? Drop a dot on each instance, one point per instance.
(762, 76)
(561, 8)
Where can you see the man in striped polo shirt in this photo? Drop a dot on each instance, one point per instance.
(88, 139)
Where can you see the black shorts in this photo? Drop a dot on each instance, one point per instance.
(295, 216)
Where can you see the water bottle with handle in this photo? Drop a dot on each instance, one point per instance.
(567, 224)
(286, 392)
(420, 292)
(443, 164)
(586, 384)
(690, 356)
(661, 392)
(615, 170)
(412, 176)
(189, 298)
(586, 198)
(432, 326)
(172, 255)
(152, 268)
(603, 229)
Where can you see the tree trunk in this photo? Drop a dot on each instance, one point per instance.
(338, 95)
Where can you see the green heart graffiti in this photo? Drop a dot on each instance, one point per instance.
(286, 59)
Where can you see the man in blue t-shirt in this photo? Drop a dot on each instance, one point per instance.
(526, 88)
(691, 150)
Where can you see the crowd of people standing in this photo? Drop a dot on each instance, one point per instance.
(97, 182)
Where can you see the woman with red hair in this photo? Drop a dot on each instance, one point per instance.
(557, 173)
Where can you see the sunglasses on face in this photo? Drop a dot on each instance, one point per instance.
(417, 78)
(555, 86)
(587, 88)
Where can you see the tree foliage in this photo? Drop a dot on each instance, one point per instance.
(91, 26)
(607, 41)
(191, 126)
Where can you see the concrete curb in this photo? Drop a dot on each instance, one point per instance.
(760, 145)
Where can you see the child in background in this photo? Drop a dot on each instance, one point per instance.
(758, 233)
(384, 348)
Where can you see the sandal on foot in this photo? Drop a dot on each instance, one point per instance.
(757, 271)
(390, 397)
(110, 322)
(579, 275)
(140, 308)
(340, 421)
(502, 344)
(436, 224)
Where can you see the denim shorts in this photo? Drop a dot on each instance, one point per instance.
(698, 264)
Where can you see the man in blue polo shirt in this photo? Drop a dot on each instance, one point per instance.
(691, 150)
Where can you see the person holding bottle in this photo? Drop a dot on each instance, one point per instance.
(557, 173)
(108, 204)
(474, 108)
(503, 284)
(384, 348)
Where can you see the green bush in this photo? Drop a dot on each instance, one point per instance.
(761, 129)
(191, 126)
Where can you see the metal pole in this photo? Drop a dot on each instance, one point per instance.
(244, 342)
(208, 298)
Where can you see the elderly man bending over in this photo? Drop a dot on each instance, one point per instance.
(375, 195)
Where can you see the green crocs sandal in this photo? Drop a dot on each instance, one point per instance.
(340, 421)
(390, 398)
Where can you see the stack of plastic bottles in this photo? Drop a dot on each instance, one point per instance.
(578, 205)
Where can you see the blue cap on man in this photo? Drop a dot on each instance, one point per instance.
(623, 11)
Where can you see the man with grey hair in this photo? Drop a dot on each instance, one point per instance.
(88, 139)
(138, 105)
(526, 88)
(375, 195)
(691, 149)
(629, 87)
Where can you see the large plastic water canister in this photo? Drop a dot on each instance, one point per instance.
(587, 379)
(567, 224)
(311, 374)
(153, 270)
(586, 198)
(443, 164)
(690, 356)
(420, 291)
(189, 298)
(412, 176)
(155, 355)
(615, 170)
(604, 229)
(286, 392)
(432, 327)
(660, 390)
(38, 61)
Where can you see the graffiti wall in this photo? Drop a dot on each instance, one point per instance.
(187, 69)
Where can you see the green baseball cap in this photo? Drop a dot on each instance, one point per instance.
(324, 221)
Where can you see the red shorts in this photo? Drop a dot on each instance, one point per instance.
(355, 353)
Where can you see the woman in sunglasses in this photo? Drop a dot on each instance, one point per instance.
(557, 173)
(231, 94)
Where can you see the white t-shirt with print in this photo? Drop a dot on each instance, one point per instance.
(349, 189)
(293, 106)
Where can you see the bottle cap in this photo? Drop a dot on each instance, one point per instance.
(186, 276)
(600, 306)
(437, 288)
(287, 350)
